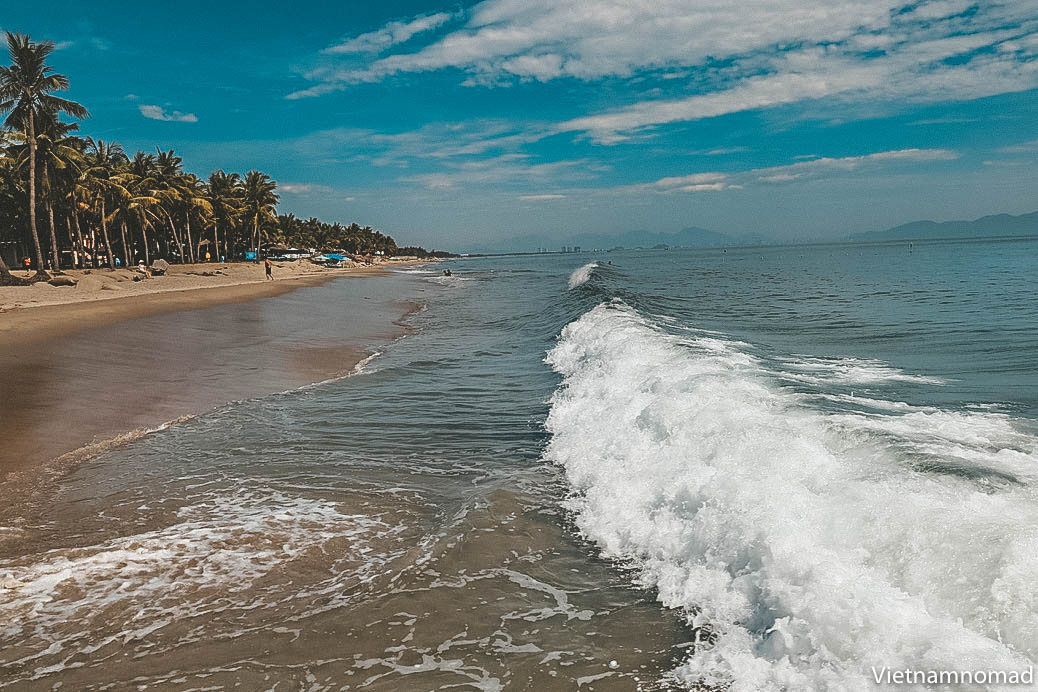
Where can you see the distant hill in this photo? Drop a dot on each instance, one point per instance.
(692, 236)
(984, 227)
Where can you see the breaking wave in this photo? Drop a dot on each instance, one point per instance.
(581, 275)
(804, 545)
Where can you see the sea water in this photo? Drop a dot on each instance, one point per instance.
(748, 469)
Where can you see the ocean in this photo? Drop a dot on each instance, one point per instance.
(772, 468)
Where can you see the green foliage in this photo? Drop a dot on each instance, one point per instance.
(141, 208)
(327, 237)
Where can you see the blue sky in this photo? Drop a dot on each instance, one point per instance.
(456, 125)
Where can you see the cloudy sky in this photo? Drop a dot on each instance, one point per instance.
(457, 124)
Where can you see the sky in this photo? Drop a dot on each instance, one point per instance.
(460, 126)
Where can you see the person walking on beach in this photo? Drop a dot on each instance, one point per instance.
(269, 267)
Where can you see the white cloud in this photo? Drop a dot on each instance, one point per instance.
(819, 166)
(773, 53)
(159, 113)
(708, 187)
(801, 170)
(1022, 148)
(303, 188)
(85, 43)
(540, 198)
(754, 93)
(723, 151)
(500, 169)
(690, 180)
(547, 39)
(390, 35)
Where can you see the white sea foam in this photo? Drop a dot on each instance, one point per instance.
(448, 280)
(207, 562)
(806, 547)
(581, 275)
(851, 371)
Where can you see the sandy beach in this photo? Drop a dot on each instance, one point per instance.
(100, 296)
(94, 365)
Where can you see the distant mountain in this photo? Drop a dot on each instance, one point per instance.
(693, 237)
(984, 227)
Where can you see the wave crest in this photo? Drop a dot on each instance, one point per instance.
(803, 547)
(581, 275)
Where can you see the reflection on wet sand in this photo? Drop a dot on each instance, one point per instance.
(256, 589)
(393, 531)
(67, 399)
(64, 393)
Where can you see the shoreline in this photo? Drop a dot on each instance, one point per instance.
(29, 324)
(103, 297)
(83, 377)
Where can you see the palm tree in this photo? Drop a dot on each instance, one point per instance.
(25, 91)
(168, 174)
(59, 153)
(101, 172)
(194, 200)
(225, 197)
(140, 176)
(10, 203)
(258, 191)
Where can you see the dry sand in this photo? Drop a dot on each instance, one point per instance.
(104, 284)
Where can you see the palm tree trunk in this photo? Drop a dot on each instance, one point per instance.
(255, 236)
(82, 241)
(79, 238)
(190, 245)
(72, 242)
(144, 236)
(32, 196)
(176, 237)
(128, 257)
(104, 230)
(216, 241)
(53, 239)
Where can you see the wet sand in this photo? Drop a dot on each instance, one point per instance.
(80, 377)
(386, 532)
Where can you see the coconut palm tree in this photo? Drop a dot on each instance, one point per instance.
(26, 88)
(141, 180)
(10, 206)
(104, 181)
(193, 202)
(166, 174)
(258, 193)
(57, 154)
(225, 198)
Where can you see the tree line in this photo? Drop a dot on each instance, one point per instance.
(79, 202)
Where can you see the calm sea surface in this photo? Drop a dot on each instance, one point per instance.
(760, 468)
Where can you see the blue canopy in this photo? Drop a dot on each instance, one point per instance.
(336, 256)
